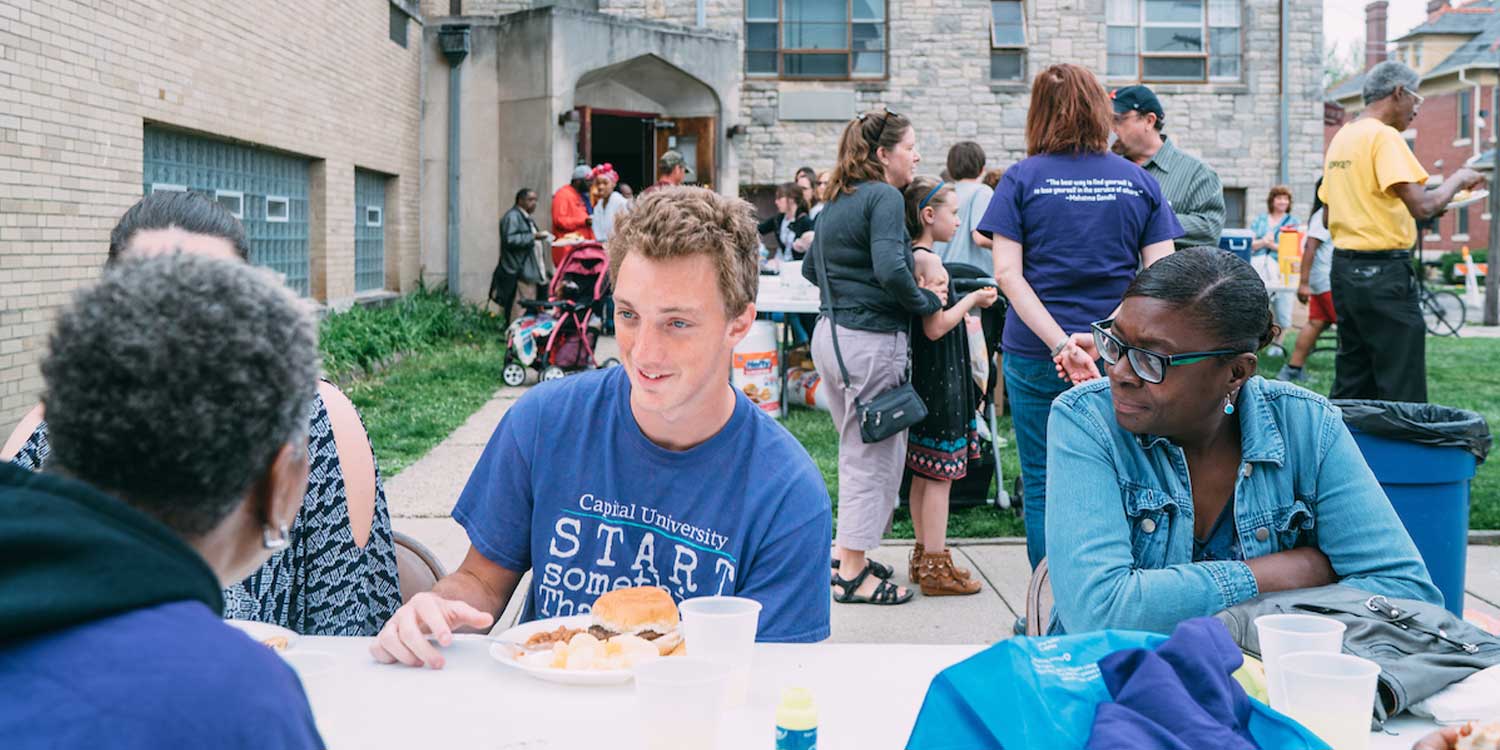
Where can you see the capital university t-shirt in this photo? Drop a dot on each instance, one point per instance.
(571, 489)
(1081, 220)
(1365, 159)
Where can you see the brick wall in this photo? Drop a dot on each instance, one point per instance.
(1441, 152)
(78, 78)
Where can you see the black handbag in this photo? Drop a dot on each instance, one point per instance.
(889, 413)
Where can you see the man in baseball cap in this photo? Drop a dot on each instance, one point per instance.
(1192, 189)
(673, 170)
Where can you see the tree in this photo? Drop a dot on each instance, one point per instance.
(1341, 61)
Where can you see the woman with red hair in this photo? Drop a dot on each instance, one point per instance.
(1071, 224)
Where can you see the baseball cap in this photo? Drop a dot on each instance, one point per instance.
(1138, 98)
(582, 172)
(670, 161)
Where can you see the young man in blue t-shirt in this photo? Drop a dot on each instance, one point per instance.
(655, 473)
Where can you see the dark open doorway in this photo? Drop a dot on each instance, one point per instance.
(627, 141)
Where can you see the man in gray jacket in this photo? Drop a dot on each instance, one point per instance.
(518, 260)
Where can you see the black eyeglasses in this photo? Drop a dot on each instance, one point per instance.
(1148, 365)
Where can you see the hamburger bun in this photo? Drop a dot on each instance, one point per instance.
(637, 610)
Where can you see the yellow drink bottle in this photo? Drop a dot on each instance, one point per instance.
(1288, 250)
(796, 721)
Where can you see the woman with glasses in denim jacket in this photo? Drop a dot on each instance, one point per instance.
(1184, 483)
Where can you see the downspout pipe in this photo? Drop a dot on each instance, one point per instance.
(1474, 132)
(1286, 99)
(454, 39)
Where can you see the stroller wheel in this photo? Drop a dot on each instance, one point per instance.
(553, 372)
(513, 374)
(608, 363)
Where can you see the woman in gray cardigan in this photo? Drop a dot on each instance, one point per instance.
(862, 240)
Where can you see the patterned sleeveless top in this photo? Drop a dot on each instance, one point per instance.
(321, 583)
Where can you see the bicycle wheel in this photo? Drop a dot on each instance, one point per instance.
(1444, 312)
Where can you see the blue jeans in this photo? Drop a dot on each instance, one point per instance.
(1031, 385)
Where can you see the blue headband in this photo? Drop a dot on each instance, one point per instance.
(935, 190)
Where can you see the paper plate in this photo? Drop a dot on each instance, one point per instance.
(504, 653)
(1473, 197)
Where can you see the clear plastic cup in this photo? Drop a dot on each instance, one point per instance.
(722, 629)
(1333, 695)
(1284, 634)
(680, 701)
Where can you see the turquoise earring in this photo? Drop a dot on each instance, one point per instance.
(1228, 405)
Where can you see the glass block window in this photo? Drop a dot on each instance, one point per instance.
(369, 230)
(1174, 40)
(1007, 40)
(815, 39)
(269, 187)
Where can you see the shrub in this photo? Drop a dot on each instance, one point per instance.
(362, 338)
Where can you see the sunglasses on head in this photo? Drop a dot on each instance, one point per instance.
(883, 122)
(1148, 365)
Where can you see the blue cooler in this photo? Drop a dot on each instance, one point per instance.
(1424, 457)
(1237, 241)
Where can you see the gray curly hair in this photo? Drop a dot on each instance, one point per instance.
(1385, 78)
(173, 383)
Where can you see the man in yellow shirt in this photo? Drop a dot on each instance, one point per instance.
(1376, 192)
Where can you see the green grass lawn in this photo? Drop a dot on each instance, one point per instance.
(414, 404)
(1461, 372)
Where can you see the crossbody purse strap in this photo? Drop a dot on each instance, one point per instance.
(833, 326)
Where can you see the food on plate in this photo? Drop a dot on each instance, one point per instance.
(570, 237)
(276, 642)
(545, 638)
(1473, 737)
(1461, 196)
(646, 612)
(630, 627)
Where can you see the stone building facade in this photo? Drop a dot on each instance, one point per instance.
(938, 70)
(102, 99)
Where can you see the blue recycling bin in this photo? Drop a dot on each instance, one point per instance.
(1237, 241)
(1424, 456)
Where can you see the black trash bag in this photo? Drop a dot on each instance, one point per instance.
(1425, 424)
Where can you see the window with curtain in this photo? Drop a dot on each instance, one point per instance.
(1173, 40)
(1007, 40)
(815, 39)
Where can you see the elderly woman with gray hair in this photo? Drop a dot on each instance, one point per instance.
(177, 393)
(1375, 188)
(337, 572)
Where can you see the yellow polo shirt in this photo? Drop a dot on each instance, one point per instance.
(1365, 159)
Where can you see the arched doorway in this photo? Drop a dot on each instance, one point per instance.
(631, 112)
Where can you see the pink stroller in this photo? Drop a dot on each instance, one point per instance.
(558, 335)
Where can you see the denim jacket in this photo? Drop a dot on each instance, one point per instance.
(1120, 521)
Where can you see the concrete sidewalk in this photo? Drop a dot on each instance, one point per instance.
(422, 496)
